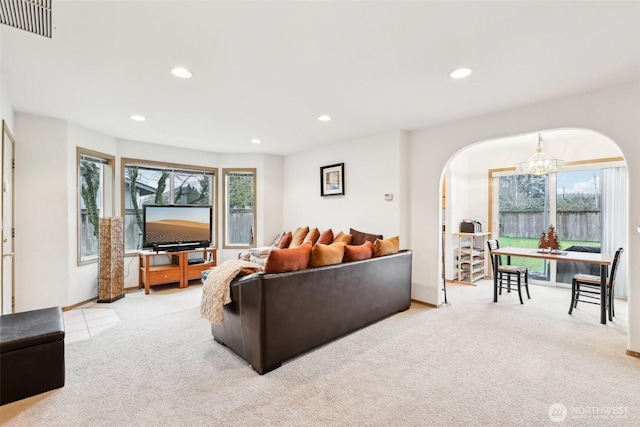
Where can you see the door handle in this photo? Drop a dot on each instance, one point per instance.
(8, 254)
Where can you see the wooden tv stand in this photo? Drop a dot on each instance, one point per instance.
(157, 268)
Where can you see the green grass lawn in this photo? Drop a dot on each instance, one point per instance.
(532, 263)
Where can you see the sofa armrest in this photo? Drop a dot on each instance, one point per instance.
(242, 328)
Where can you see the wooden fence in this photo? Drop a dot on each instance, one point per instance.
(570, 225)
(241, 227)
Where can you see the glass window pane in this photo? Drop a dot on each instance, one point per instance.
(191, 189)
(578, 218)
(91, 207)
(239, 208)
(523, 215)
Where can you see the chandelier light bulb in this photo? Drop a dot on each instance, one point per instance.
(540, 163)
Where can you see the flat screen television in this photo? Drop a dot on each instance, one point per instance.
(176, 227)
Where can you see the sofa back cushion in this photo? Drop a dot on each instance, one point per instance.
(359, 237)
(322, 255)
(292, 259)
(383, 247)
(358, 252)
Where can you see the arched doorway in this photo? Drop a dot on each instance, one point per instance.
(473, 176)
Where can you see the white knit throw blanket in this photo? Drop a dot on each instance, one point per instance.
(216, 291)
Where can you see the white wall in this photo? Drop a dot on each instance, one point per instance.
(42, 222)
(270, 199)
(613, 112)
(373, 167)
(6, 109)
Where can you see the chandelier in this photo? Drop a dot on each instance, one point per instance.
(540, 163)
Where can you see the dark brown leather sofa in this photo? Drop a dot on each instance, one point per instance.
(275, 317)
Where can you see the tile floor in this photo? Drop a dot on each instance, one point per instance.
(84, 323)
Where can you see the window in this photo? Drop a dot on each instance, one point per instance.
(239, 208)
(95, 185)
(571, 200)
(146, 182)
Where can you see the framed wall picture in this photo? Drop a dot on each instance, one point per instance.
(332, 180)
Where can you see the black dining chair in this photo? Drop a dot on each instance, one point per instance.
(508, 271)
(586, 287)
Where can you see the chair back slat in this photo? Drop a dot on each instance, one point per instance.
(614, 266)
(494, 244)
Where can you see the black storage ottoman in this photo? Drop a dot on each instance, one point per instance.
(31, 353)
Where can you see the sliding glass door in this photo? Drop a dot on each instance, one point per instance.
(528, 205)
(578, 218)
(523, 212)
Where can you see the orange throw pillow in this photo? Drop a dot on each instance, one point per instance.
(312, 236)
(298, 236)
(383, 247)
(358, 252)
(285, 241)
(322, 255)
(326, 238)
(283, 260)
(342, 238)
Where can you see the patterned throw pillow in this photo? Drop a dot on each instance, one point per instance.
(277, 239)
(386, 247)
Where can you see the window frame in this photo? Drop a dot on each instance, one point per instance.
(493, 211)
(159, 165)
(225, 172)
(108, 196)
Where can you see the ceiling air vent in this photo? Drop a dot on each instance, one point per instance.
(29, 15)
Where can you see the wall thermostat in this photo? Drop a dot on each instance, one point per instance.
(388, 197)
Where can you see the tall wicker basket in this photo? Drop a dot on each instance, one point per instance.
(111, 265)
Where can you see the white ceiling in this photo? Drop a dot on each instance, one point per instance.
(268, 69)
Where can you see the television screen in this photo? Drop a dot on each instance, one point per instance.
(176, 224)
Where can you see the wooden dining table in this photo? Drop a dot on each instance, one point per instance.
(603, 260)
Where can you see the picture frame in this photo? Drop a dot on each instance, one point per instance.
(332, 180)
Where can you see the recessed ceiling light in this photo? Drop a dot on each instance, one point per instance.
(324, 118)
(256, 141)
(137, 118)
(183, 73)
(460, 73)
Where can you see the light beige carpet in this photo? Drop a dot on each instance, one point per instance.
(473, 363)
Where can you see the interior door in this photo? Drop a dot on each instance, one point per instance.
(7, 294)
